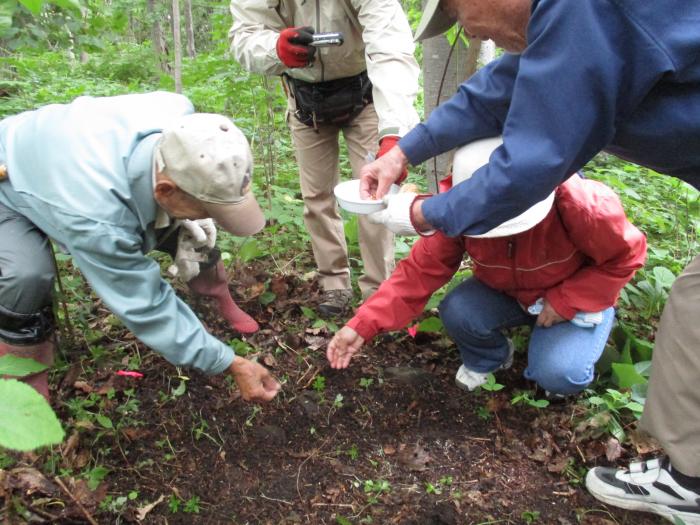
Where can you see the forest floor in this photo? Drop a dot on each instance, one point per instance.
(391, 440)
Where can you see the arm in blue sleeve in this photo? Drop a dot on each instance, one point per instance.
(131, 286)
(477, 110)
(566, 99)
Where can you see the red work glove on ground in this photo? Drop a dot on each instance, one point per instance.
(385, 144)
(293, 46)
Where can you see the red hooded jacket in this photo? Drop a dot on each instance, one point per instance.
(578, 258)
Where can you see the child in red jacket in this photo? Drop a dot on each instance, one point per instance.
(558, 267)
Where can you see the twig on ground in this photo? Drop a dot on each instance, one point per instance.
(85, 512)
(275, 499)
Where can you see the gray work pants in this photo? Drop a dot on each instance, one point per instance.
(672, 411)
(26, 265)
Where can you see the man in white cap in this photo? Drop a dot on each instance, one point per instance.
(634, 91)
(558, 267)
(110, 179)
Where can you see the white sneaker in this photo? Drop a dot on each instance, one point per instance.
(648, 487)
(469, 379)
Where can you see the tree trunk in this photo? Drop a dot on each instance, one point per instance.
(159, 46)
(462, 64)
(189, 29)
(177, 45)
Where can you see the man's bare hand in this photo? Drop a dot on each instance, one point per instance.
(254, 380)
(377, 177)
(548, 316)
(345, 344)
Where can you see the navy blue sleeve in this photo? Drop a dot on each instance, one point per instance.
(586, 65)
(478, 110)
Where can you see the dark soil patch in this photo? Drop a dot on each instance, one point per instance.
(372, 444)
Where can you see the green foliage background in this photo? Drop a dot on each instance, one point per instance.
(55, 51)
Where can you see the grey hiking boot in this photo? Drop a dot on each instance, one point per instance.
(334, 302)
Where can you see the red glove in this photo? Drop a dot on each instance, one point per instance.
(385, 144)
(293, 46)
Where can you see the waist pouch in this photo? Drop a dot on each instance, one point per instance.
(334, 102)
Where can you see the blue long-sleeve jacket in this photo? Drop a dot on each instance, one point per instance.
(82, 173)
(615, 75)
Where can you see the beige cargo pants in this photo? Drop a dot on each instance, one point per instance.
(672, 411)
(317, 153)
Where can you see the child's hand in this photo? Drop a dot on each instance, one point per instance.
(345, 344)
(548, 316)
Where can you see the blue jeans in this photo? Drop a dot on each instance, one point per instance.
(561, 359)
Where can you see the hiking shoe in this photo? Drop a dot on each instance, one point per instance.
(648, 487)
(469, 379)
(335, 302)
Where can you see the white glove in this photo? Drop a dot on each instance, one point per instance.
(587, 319)
(397, 214)
(202, 232)
(194, 242)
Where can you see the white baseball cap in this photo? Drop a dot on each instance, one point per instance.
(209, 158)
(473, 156)
(434, 21)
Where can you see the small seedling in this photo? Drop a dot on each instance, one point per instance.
(192, 505)
(491, 385)
(432, 489)
(526, 397)
(530, 516)
(366, 382)
(253, 412)
(241, 348)
(174, 504)
(483, 413)
(353, 452)
(374, 489)
(319, 384)
(95, 476)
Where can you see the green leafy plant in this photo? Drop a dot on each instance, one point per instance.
(438, 487)
(353, 452)
(373, 489)
(605, 412)
(530, 516)
(27, 421)
(366, 382)
(526, 398)
(192, 505)
(491, 385)
(319, 383)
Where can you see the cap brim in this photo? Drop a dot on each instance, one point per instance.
(434, 22)
(523, 222)
(241, 218)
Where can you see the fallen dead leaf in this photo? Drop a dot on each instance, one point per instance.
(83, 386)
(613, 449)
(643, 442)
(30, 480)
(141, 512)
(269, 360)
(414, 457)
(314, 342)
(559, 464)
(89, 499)
(256, 290)
(279, 286)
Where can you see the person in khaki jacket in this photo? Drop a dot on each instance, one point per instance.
(365, 88)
